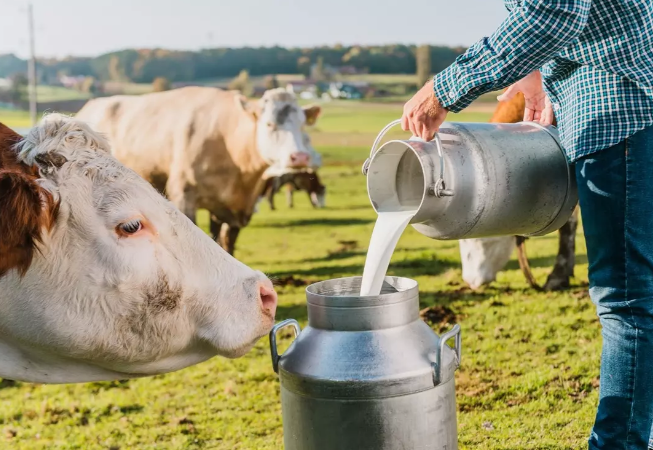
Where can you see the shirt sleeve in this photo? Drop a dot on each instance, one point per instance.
(533, 33)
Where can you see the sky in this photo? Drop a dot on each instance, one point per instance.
(93, 27)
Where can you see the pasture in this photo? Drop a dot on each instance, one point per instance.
(530, 365)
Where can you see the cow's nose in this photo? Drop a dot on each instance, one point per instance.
(299, 159)
(268, 298)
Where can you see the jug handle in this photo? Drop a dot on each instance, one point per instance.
(454, 332)
(439, 189)
(276, 357)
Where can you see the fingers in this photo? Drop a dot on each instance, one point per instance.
(548, 115)
(509, 93)
(426, 133)
(405, 122)
(529, 114)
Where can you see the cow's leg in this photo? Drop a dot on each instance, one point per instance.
(563, 269)
(270, 189)
(214, 227)
(228, 236)
(183, 195)
(269, 194)
(289, 195)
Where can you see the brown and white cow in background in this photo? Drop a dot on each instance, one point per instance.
(275, 177)
(101, 278)
(205, 147)
(482, 259)
(308, 181)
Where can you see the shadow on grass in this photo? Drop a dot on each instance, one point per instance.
(334, 222)
(543, 261)
(5, 384)
(410, 268)
(339, 254)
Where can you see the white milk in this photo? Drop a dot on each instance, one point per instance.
(387, 231)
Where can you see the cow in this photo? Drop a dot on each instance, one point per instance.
(101, 277)
(482, 259)
(307, 180)
(206, 147)
(296, 179)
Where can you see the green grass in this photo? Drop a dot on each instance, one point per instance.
(530, 362)
(57, 93)
(15, 118)
(18, 119)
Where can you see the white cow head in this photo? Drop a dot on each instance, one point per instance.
(102, 278)
(483, 258)
(279, 129)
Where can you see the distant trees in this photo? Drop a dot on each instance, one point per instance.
(318, 72)
(18, 91)
(271, 82)
(423, 62)
(304, 66)
(89, 85)
(161, 84)
(143, 66)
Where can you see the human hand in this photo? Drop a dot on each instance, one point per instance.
(538, 106)
(423, 113)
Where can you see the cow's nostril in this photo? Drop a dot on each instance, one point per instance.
(268, 299)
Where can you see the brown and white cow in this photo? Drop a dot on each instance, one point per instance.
(482, 259)
(307, 180)
(205, 147)
(101, 278)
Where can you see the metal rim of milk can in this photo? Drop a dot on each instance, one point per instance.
(439, 188)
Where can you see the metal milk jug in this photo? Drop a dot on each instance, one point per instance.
(475, 180)
(367, 373)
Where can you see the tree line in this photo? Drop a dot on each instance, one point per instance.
(145, 65)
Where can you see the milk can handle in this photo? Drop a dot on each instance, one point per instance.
(455, 332)
(438, 189)
(276, 357)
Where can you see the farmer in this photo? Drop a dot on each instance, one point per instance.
(591, 63)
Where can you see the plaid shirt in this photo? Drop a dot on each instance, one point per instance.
(596, 58)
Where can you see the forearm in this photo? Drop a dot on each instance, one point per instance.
(531, 35)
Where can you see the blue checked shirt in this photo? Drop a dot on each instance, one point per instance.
(596, 58)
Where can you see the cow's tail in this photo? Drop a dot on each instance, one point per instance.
(524, 265)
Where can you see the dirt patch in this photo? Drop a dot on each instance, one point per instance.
(289, 280)
(345, 247)
(438, 315)
(4, 383)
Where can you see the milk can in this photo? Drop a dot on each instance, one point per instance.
(475, 180)
(367, 373)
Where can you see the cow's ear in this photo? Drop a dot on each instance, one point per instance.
(8, 138)
(26, 207)
(312, 113)
(250, 107)
(27, 210)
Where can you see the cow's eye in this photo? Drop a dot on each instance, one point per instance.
(131, 227)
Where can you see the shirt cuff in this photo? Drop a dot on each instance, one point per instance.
(447, 90)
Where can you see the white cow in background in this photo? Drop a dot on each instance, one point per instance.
(101, 278)
(482, 259)
(205, 147)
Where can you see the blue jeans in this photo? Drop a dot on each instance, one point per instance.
(615, 188)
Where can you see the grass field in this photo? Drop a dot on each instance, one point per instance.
(530, 361)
